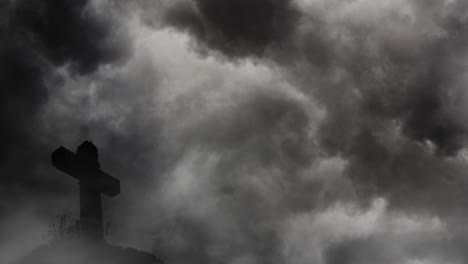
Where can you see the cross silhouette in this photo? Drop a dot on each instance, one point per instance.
(85, 167)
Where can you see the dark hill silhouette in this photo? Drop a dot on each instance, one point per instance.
(80, 252)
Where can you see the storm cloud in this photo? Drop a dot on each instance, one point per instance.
(36, 37)
(234, 28)
(250, 131)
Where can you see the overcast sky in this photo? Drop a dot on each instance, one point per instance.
(243, 131)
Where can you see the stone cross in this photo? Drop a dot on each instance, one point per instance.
(84, 166)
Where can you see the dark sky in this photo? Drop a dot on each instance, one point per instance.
(243, 131)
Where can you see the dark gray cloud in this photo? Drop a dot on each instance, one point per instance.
(389, 76)
(37, 36)
(415, 67)
(377, 68)
(234, 28)
(64, 32)
(309, 131)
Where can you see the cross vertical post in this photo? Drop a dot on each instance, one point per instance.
(90, 211)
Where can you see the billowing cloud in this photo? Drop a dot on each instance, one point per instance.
(35, 37)
(301, 131)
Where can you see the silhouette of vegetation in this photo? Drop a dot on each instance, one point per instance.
(107, 228)
(67, 227)
(64, 228)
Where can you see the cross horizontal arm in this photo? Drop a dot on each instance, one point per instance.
(68, 162)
